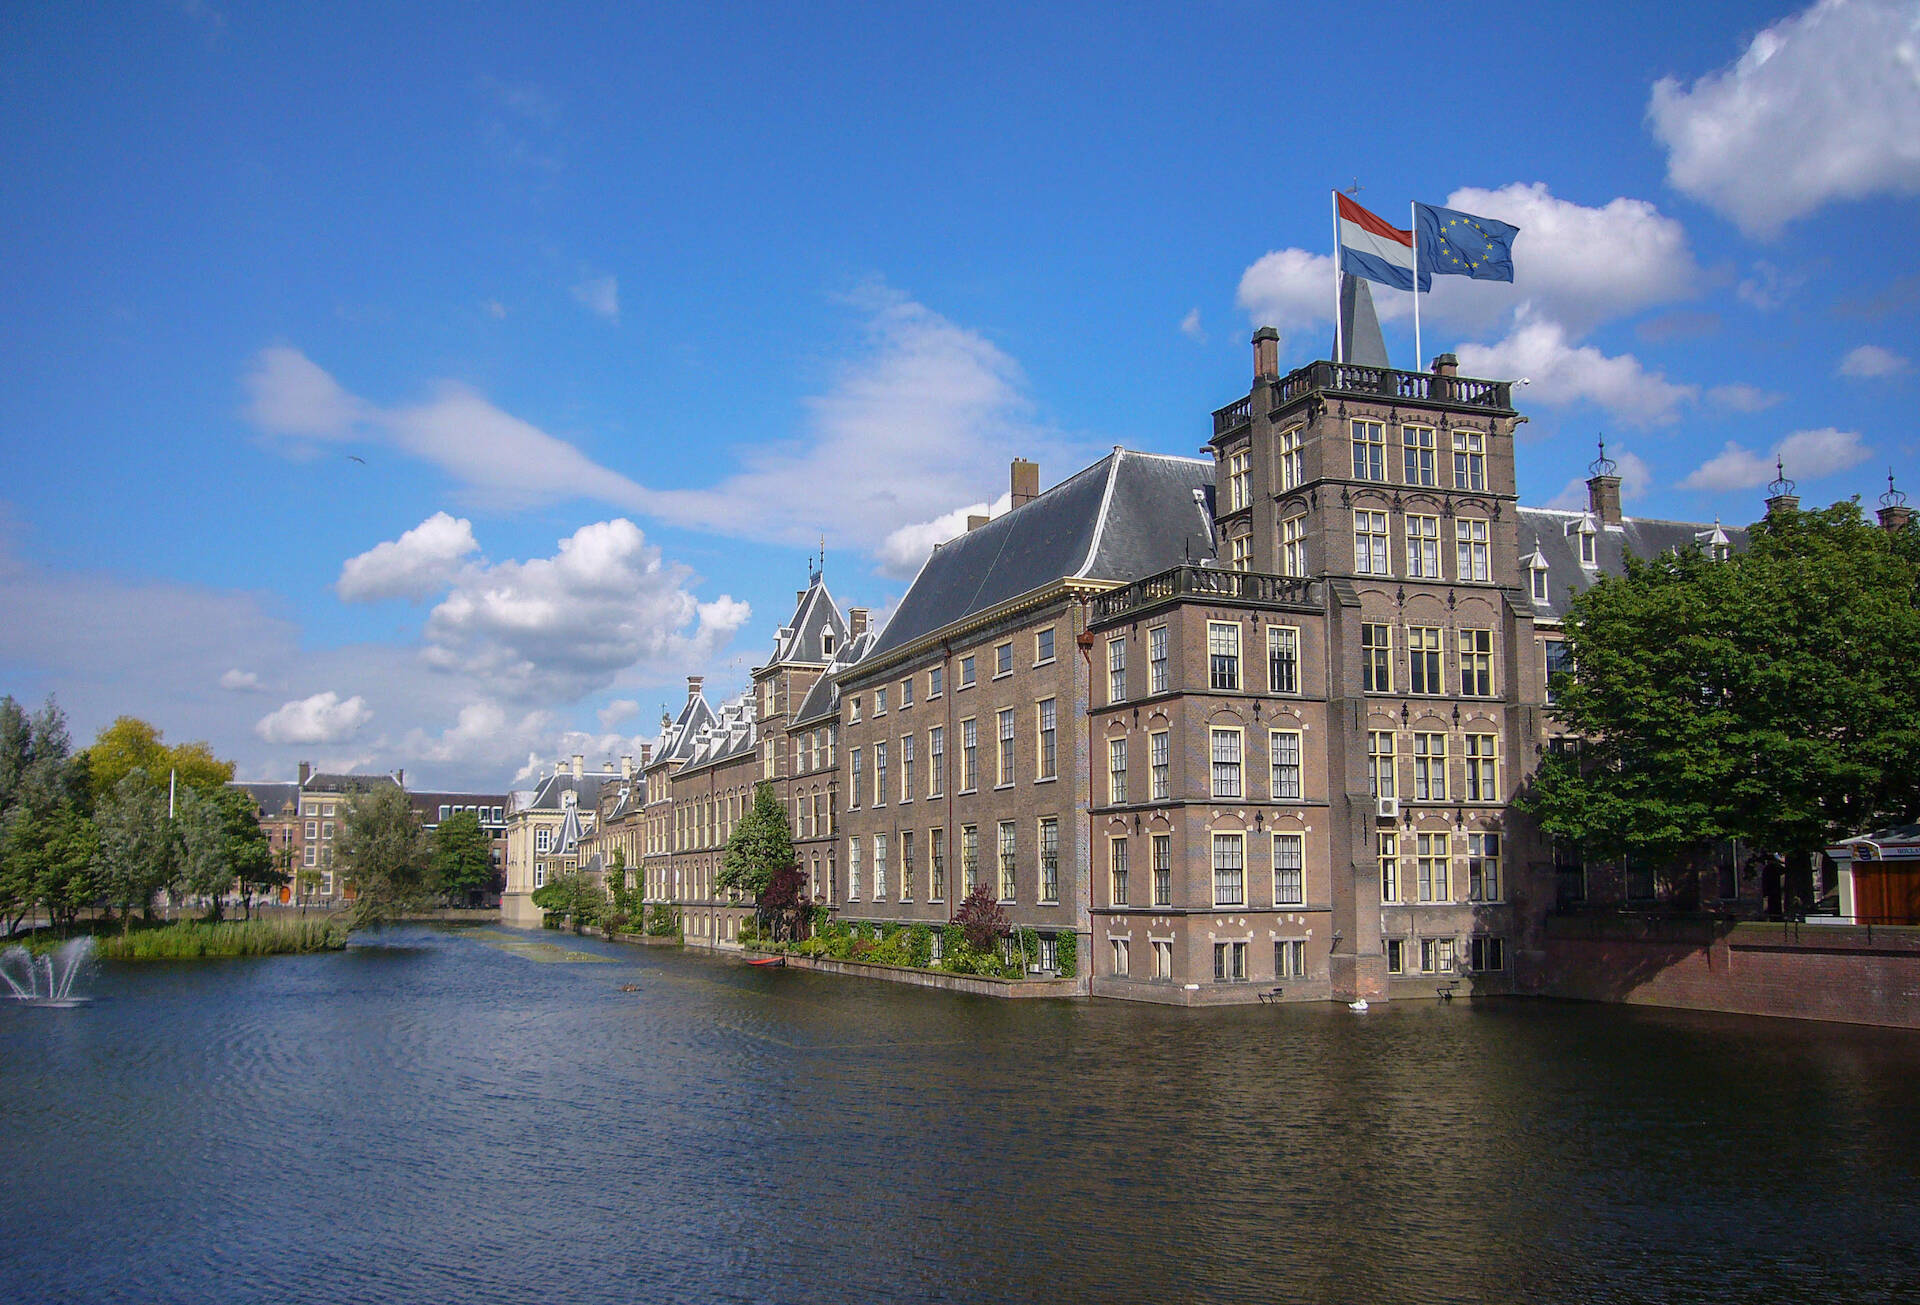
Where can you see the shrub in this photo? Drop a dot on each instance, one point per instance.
(920, 946)
(981, 919)
(662, 921)
(1066, 954)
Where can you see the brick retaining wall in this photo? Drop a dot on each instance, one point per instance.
(1848, 974)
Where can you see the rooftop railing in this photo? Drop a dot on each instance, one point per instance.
(1208, 584)
(1373, 383)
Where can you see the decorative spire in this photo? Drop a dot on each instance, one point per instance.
(1781, 487)
(1893, 498)
(1603, 465)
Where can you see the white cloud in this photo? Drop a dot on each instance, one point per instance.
(1191, 328)
(1576, 265)
(1823, 105)
(322, 718)
(417, 565)
(239, 681)
(600, 295)
(562, 626)
(289, 395)
(481, 729)
(920, 417)
(1636, 478)
(1562, 373)
(902, 552)
(494, 308)
(1741, 397)
(503, 460)
(1807, 454)
(1292, 290)
(1573, 264)
(618, 710)
(1870, 360)
(1767, 287)
(91, 639)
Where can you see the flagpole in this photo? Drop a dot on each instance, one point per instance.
(1413, 221)
(1335, 196)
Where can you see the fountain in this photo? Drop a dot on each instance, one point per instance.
(24, 972)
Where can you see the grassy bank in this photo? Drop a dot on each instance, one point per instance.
(190, 940)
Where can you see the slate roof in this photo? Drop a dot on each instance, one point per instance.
(800, 639)
(822, 703)
(1128, 516)
(1553, 536)
(325, 782)
(586, 789)
(631, 797)
(732, 733)
(676, 737)
(271, 796)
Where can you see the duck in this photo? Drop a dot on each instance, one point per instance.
(1359, 1007)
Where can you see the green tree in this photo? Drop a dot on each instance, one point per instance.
(48, 860)
(222, 846)
(462, 856)
(138, 851)
(383, 851)
(131, 744)
(44, 798)
(206, 870)
(1770, 697)
(760, 848)
(572, 894)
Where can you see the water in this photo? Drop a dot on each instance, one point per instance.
(21, 971)
(428, 1117)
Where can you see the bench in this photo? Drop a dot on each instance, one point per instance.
(1273, 995)
(1445, 990)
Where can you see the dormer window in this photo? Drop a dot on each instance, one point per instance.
(826, 643)
(1539, 582)
(1585, 529)
(1719, 548)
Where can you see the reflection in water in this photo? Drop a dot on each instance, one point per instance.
(429, 1117)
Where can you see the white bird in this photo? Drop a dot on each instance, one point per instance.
(1360, 1005)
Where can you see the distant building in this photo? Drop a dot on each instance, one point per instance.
(303, 818)
(545, 829)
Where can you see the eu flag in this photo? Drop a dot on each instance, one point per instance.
(1453, 243)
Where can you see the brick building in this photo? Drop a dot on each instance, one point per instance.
(1240, 723)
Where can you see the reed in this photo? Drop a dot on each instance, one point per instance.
(194, 940)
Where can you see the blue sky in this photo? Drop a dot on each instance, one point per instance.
(436, 386)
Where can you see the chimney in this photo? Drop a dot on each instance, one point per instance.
(799, 597)
(306, 770)
(646, 755)
(626, 767)
(400, 777)
(974, 521)
(856, 622)
(1026, 481)
(1894, 512)
(579, 764)
(1603, 487)
(1266, 354)
(693, 686)
(1446, 364)
(1781, 495)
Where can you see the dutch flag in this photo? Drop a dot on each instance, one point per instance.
(1371, 248)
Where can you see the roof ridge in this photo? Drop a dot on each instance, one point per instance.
(1106, 505)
